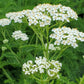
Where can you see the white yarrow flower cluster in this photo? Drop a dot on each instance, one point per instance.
(42, 65)
(67, 36)
(19, 35)
(16, 16)
(43, 14)
(4, 22)
(57, 12)
(39, 18)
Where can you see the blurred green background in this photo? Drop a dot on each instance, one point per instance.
(74, 67)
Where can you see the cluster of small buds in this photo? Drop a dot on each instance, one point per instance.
(83, 56)
(67, 36)
(4, 22)
(56, 12)
(4, 48)
(42, 65)
(5, 41)
(19, 35)
(52, 47)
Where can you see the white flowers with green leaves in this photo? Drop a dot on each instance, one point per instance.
(4, 22)
(56, 12)
(42, 65)
(43, 14)
(19, 35)
(67, 36)
(41, 19)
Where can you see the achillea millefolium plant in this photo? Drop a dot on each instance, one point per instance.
(39, 62)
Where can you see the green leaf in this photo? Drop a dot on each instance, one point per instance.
(10, 59)
(52, 82)
(81, 80)
(30, 47)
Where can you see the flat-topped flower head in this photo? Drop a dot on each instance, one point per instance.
(42, 65)
(57, 12)
(35, 18)
(17, 16)
(4, 22)
(67, 36)
(43, 14)
(19, 35)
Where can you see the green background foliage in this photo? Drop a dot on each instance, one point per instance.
(72, 60)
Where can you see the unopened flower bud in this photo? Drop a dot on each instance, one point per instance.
(58, 48)
(83, 56)
(5, 41)
(4, 48)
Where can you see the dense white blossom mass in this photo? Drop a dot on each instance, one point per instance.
(42, 65)
(17, 16)
(19, 35)
(43, 14)
(67, 36)
(57, 12)
(4, 22)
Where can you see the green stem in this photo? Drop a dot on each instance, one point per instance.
(19, 26)
(35, 78)
(13, 54)
(51, 40)
(36, 33)
(1, 57)
(44, 33)
(40, 36)
(53, 26)
(61, 24)
(27, 46)
(42, 41)
(59, 55)
(46, 81)
(47, 31)
(54, 55)
(32, 38)
(3, 33)
(36, 45)
(7, 75)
